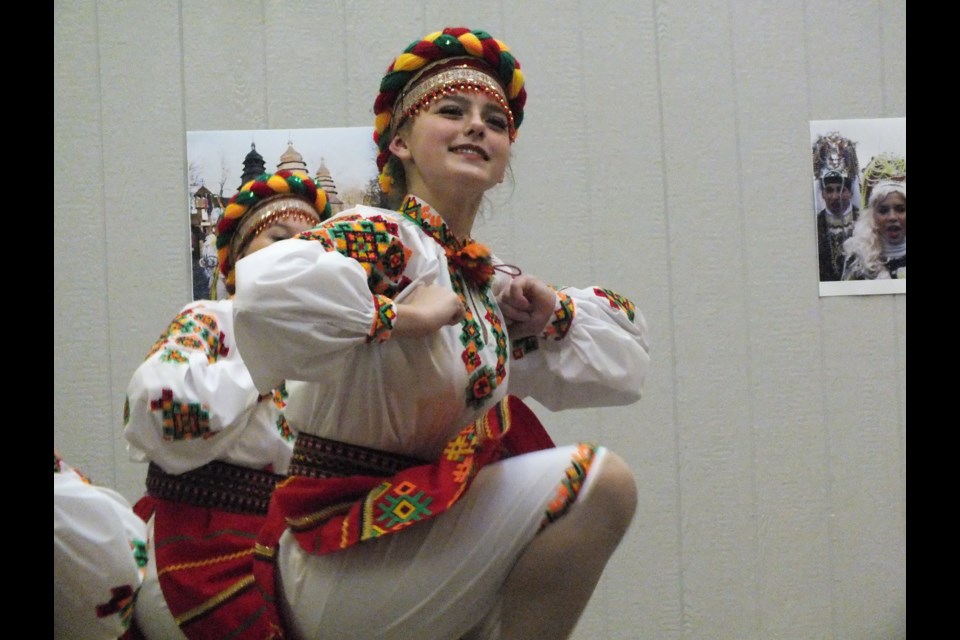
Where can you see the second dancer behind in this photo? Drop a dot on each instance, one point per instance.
(410, 335)
(215, 445)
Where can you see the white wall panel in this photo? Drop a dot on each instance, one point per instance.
(780, 277)
(82, 400)
(146, 231)
(716, 491)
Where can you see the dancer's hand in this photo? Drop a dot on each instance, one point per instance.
(426, 310)
(527, 304)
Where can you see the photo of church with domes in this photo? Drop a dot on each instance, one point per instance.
(341, 161)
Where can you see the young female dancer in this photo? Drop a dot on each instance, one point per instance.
(216, 446)
(424, 501)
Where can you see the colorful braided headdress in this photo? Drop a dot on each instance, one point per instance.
(455, 59)
(259, 204)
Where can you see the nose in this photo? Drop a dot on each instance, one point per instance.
(475, 124)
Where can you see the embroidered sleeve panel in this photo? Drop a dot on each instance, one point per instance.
(617, 301)
(180, 419)
(192, 330)
(374, 242)
(563, 315)
(383, 319)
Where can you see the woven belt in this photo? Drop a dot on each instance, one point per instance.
(217, 485)
(317, 457)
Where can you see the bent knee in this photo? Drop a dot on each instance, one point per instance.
(613, 491)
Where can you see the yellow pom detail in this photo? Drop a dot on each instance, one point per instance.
(246, 186)
(234, 210)
(382, 121)
(433, 36)
(516, 84)
(408, 62)
(321, 202)
(386, 182)
(472, 44)
(502, 45)
(278, 184)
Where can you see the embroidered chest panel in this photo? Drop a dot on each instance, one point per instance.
(470, 278)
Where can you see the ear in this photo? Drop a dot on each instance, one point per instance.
(398, 147)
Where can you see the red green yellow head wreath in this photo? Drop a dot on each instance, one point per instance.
(260, 204)
(455, 59)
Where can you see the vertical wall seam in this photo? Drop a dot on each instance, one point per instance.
(106, 245)
(588, 168)
(745, 270)
(883, 60)
(681, 589)
(345, 66)
(585, 146)
(185, 221)
(824, 413)
(263, 64)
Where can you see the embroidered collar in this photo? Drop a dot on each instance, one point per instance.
(469, 257)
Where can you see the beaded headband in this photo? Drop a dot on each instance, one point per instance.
(498, 73)
(447, 77)
(259, 204)
(267, 214)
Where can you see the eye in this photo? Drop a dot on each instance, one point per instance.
(498, 122)
(451, 109)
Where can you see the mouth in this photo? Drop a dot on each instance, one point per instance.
(470, 150)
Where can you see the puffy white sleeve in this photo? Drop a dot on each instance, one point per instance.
(593, 353)
(192, 400)
(99, 549)
(303, 305)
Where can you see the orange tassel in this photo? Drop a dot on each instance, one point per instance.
(474, 263)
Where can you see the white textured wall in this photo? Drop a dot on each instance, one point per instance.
(665, 154)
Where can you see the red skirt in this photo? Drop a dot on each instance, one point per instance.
(216, 568)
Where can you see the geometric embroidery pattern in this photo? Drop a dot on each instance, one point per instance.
(372, 242)
(283, 428)
(192, 330)
(174, 356)
(280, 395)
(139, 548)
(403, 507)
(384, 314)
(390, 507)
(562, 318)
(181, 420)
(483, 379)
(569, 487)
(121, 601)
(616, 301)
(523, 346)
